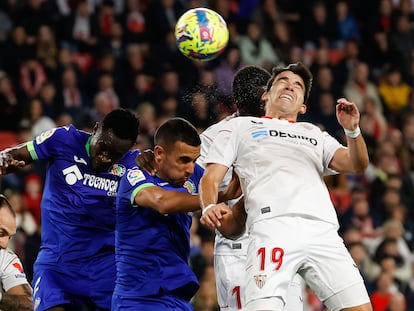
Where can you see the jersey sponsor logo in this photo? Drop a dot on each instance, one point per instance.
(277, 133)
(118, 170)
(101, 183)
(45, 135)
(190, 186)
(135, 176)
(73, 175)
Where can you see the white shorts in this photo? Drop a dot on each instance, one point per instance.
(280, 247)
(230, 280)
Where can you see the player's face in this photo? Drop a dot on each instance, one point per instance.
(176, 163)
(7, 227)
(107, 149)
(286, 96)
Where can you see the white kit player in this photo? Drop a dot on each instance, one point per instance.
(15, 290)
(292, 224)
(230, 255)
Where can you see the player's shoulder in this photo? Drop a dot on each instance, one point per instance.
(136, 175)
(6, 255)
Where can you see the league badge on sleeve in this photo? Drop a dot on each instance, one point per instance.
(45, 135)
(135, 176)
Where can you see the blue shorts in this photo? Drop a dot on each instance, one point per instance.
(163, 302)
(90, 285)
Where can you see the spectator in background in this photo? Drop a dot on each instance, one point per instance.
(402, 40)
(134, 21)
(143, 91)
(226, 69)
(360, 86)
(256, 49)
(52, 108)
(395, 94)
(347, 23)
(10, 105)
(38, 121)
(32, 77)
(47, 49)
(80, 30)
(321, 27)
(374, 126)
(384, 289)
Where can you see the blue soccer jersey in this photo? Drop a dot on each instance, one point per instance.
(78, 205)
(152, 249)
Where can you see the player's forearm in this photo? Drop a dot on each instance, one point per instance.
(358, 153)
(165, 201)
(208, 190)
(11, 158)
(233, 224)
(15, 302)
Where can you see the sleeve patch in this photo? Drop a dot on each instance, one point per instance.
(45, 135)
(135, 176)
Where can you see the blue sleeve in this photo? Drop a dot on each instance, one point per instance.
(51, 143)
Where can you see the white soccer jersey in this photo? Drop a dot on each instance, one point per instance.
(223, 246)
(264, 150)
(11, 270)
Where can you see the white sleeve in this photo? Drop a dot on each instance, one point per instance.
(223, 150)
(12, 273)
(330, 146)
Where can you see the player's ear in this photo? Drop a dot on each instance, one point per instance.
(303, 109)
(159, 152)
(265, 96)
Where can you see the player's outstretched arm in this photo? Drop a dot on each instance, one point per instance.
(354, 158)
(18, 298)
(167, 201)
(12, 159)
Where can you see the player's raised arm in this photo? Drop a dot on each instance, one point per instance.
(354, 158)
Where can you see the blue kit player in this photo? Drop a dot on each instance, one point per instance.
(75, 267)
(153, 223)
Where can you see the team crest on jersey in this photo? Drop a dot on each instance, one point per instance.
(135, 176)
(118, 170)
(260, 280)
(45, 135)
(190, 186)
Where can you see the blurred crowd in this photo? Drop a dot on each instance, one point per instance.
(72, 61)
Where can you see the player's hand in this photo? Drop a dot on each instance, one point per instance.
(347, 114)
(145, 160)
(211, 217)
(8, 163)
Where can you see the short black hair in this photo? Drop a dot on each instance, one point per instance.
(123, 123)
(298, 69)
(248, 87)
(4, 202)
(176, 129)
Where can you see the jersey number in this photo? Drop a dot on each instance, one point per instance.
(276, 257)
(236, 292)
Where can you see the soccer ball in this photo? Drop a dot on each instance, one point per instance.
(201, 34)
